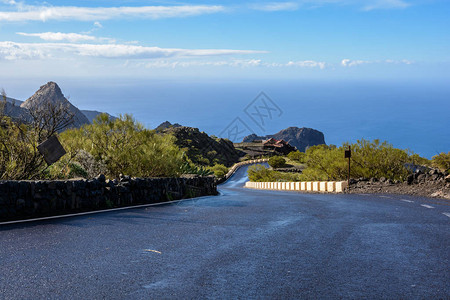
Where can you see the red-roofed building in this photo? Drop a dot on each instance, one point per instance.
(280, 146)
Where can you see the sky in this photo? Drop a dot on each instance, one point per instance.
(350, 68)
(323, 39)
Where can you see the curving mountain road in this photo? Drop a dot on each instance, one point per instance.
(242, 244)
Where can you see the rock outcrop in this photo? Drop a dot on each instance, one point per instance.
(432, 183)
(203, 149)
(165, 125)
(301, 138)
(51, 93)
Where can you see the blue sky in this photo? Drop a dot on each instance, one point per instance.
(325, 39)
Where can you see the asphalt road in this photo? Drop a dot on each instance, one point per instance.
(244, 244)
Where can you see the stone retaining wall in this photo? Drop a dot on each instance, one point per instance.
(310, 186)
(30, 199)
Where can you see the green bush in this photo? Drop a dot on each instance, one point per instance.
(64, 169)
(19, 157)
(219, 170)
(124, 146)
(416, 159)
(277, 162)
(441, 161)
(297, 156)
(259, 173)
(369, 159)
(189, 168)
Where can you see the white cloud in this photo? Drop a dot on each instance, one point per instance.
(352, 63)
(231, 63)
(13, 51)
(70, 37)
(276, 6)
(307, 64)
(59, 36)
(386, 4)
(186, 64)
(45, 13)
(366, 5)
(10, 2)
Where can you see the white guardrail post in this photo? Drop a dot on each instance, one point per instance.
(310, 186)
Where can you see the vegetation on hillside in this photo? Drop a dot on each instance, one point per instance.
(277, 162)
(442, 161)
(122, 146)
(219, 170)
(297, 156)
(108, 146)
(259, 173)
(19, 156)
(204, 150)
(369, 159)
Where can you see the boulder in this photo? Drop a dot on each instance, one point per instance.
(447, 178)
(410, 179)
(101, 178)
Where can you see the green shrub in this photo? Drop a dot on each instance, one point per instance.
(277, 162)
(189, 168)
(369, 159)
(259, 173)
(297, 156)
(441, 161)
(19, 157)
(219, 170)
(416, 159)
(124, 146)
(64, 169)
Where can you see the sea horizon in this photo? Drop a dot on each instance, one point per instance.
(409, 114)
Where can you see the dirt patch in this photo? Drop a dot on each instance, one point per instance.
(433, 184)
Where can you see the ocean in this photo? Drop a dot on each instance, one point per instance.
(408, 114)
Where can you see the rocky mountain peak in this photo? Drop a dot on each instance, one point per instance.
(51, 93)
(166, 125)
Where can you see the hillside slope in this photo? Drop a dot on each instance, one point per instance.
(203, 149)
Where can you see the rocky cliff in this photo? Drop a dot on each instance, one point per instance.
(51, 93)
(165, 125)
(203, 149)
(297, 137)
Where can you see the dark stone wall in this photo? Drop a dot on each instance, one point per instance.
(31, 199)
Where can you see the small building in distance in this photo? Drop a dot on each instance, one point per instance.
(269, 147)
(279, 146)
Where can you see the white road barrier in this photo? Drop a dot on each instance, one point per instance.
(240, 164)
(310, 186)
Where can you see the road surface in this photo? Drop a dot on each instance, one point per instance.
(243, 244)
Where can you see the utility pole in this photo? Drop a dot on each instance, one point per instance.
(348, 154)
